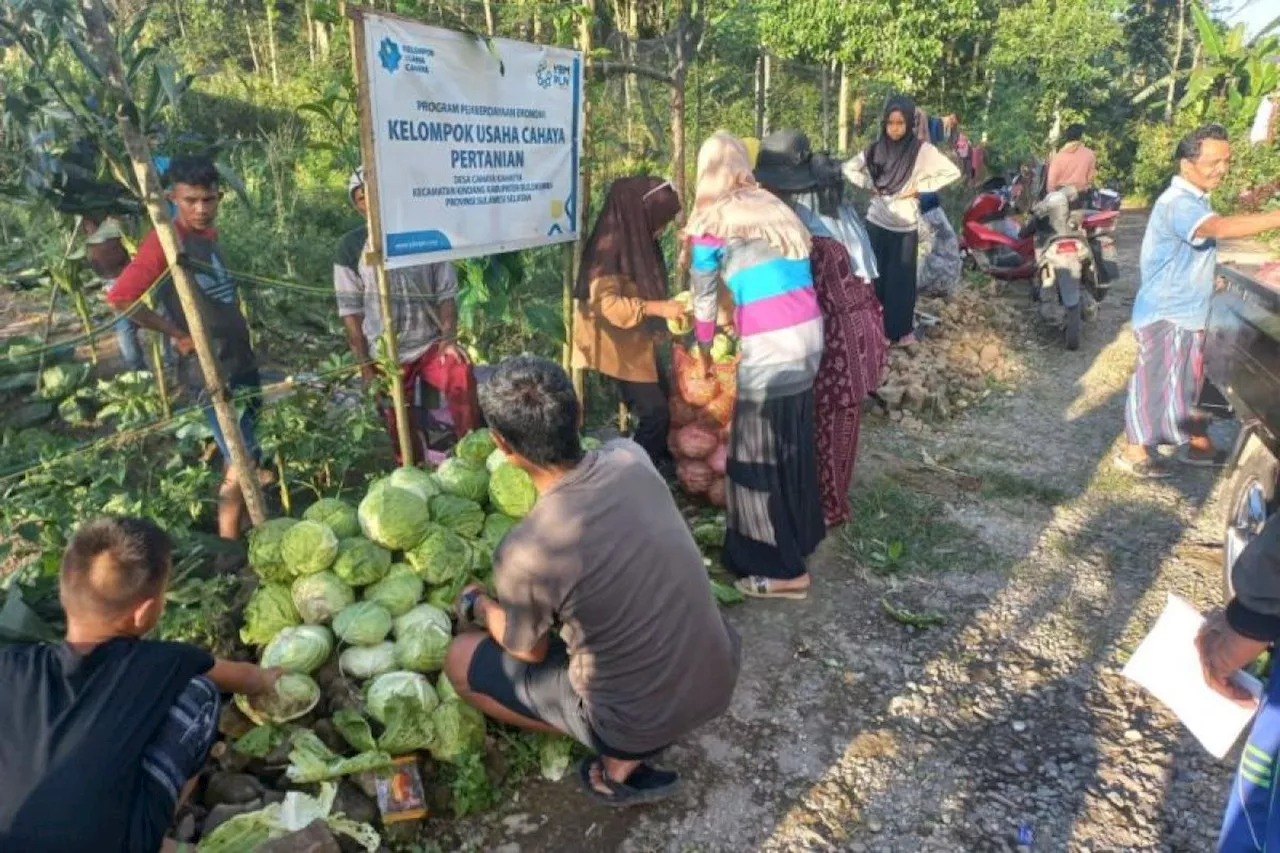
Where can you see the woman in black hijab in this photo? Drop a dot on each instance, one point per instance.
(897, 167)
(621, 302)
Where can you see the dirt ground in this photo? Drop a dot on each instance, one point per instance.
(852, 732)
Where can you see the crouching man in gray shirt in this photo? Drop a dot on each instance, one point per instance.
(604, 627)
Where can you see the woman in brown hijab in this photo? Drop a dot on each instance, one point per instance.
(621, 302)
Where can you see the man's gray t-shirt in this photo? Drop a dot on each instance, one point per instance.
(606, 555)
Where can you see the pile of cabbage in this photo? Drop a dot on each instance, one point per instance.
(371, 587)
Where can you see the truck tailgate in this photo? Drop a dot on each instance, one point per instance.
(1242, 347)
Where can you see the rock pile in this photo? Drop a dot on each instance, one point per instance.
(956, 362)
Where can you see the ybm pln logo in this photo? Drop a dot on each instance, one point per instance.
(553, 74)
(414, 57)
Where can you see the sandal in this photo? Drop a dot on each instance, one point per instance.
(1144, 469)
(644, 785)
(755, 586)
(1218, 459)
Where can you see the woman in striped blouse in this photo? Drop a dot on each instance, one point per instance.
(750, 240)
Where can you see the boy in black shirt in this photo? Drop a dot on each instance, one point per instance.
(101, 736)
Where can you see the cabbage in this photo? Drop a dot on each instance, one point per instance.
(354, 729)
(408, 685)
(392, 517)
(445, 596)
(442, 557)
(460, 515)
(445, 689)
(308, 547)
(481, 557)
(311, 761)
(409, 728)
(264, 549)
(496, 528)
(398, 591)
(268, 611)
(61, 380)
(476, 446)
(457, 729)
(415, 480)
(496, 458)
(721, 348)
(295, 696)
(554, 754)
(337, 515)
(300, 648)
(511, 491)
(367, 661)
(464, 479)
(589, 443)
(362, 624)
(422, 638)
(360, 562)
(318, 597)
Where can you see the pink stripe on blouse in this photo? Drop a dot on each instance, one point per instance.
(778, 312)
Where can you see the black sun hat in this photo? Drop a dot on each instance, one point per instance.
(785, 162)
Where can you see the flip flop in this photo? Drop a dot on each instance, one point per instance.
(644, 785)
(1144, 469)
(755, 586)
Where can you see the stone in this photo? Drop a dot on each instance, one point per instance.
(892, 395)
(367, 782)
(353, 803)
(330, 736)
(1133, 735)
(989, 357)
(185, 830)
(232, 723)
(315, 838)
(913, 398)
(1019, 726)
(231, 789)
(218, 815)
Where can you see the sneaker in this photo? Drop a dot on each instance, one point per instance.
(1218, 459)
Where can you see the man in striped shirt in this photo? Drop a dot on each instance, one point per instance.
(194, 192)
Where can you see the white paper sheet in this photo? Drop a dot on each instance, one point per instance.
(1168, 666)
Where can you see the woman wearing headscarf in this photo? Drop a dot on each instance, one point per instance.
(897, 167)
(751, 241)
(854, 347)
(621, 302)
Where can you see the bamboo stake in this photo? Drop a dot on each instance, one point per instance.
(374, 258)
(102, 43)
(584, 199)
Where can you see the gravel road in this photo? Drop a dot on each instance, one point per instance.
(850, 731)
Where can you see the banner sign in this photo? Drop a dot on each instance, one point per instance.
(476, 144)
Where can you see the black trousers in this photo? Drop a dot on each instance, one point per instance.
(896, 253)
(648, 402)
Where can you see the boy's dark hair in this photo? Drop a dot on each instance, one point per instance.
(529, 401)
(114, 562)
(1189, 146)
(193, 170)
(1074, 133)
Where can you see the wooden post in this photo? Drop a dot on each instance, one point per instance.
(102, 43)
(374, 258)
(842, 112)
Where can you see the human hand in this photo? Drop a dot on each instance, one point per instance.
(1223, 651)
(184, 345)
(667, 309)
(467, 607)
(269, 677)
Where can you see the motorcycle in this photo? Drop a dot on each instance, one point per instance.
(1075, 259)
(991, 232)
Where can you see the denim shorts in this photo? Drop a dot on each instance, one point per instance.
(248, 400)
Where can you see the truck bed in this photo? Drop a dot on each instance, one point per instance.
(1242, 346)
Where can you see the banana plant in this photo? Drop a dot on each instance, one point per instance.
(1241, 71)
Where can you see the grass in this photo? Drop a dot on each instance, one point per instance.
(895, 529)
(1002, 484)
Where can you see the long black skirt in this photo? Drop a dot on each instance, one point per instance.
(775, 508)
(896, 253)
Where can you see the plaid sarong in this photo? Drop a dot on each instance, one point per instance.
(1166, 381)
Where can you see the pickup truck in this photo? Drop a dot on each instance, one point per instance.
(1242, 363)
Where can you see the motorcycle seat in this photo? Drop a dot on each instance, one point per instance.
(1097, 219)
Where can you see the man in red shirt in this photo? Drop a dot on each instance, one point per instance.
(194, 192)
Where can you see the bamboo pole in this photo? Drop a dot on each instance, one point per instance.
(584, 200)
(103, 44)
(374, 258)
